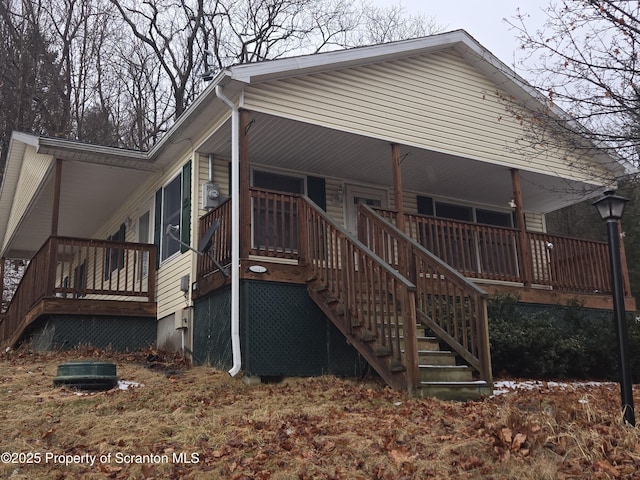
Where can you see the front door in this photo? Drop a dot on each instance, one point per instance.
(356, 195)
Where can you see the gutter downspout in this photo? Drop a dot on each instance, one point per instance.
(234, 269)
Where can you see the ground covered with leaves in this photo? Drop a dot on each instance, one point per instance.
(176, 421)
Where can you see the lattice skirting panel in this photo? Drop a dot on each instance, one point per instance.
(282, 333)
(99, 331)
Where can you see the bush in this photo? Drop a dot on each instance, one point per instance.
(557, 342)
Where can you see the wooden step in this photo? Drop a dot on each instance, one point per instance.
(436, 357)
(425, 343)
(445, 373)
(460, 391)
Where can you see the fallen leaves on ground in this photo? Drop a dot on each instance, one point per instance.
(198, 423)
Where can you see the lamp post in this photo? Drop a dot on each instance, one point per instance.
(610, 208)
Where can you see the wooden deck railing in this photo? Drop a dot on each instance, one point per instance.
(274, 223)
(82, 269)
(447, 303)
(220, 251)
(274, 229)
(376, 298)
(492, 253)
(570, 264)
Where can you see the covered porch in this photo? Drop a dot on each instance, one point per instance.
(82, 277)
(501, 245)
(57, 195)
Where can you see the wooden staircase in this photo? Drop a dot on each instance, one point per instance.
(442, 377)
(359, 286)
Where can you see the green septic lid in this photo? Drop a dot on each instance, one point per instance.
(87, 375)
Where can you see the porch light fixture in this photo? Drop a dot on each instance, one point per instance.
(610, 207)
(512, 203)
(257, 269)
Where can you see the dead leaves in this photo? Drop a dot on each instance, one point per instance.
(320, 428)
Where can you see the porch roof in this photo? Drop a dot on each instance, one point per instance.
(95, 183)
(280, 143)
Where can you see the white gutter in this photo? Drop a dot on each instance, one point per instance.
(234, 269)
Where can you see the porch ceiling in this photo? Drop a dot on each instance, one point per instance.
(90, 195)
(288, 144)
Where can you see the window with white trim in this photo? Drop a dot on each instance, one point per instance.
(171, 215)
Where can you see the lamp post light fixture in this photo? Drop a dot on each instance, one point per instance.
(610, 207)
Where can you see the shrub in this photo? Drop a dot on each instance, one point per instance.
(557, 342)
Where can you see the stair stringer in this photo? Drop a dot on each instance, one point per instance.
(362, 341)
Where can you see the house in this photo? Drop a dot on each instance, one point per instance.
(302, 214)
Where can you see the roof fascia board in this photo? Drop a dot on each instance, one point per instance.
(271, 69)
(96, 154)
(514, 84)
(201, 101)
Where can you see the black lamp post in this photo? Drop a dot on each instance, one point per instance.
(610, 208)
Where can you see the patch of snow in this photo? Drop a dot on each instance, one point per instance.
(509, 386)
(126, 384)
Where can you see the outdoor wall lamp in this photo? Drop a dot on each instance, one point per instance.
(610, 207)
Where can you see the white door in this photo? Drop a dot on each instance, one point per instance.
(356, 195)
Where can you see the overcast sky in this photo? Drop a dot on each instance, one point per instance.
(483, 20)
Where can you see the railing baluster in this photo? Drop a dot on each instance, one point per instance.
(445, 299)
(76, 258)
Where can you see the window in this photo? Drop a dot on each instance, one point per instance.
(171, 215)
(173, 207)
(490, 217)
(491, 251)
(454, 212)
(114, 257)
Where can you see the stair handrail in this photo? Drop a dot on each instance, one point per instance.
(355, 253)
(477, 355)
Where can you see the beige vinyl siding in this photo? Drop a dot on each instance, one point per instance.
(535, 222)
(169, 297)
(168, 294)
(34, 168)
(220, 176)
(435, 101)
(335, 207)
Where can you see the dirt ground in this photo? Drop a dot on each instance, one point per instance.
(176, 421)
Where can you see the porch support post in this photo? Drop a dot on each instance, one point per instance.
(404, 260)
(524, 250)
(397, 186)
(245, 201)
(55, 209)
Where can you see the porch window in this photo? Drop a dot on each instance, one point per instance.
(275, 219)
(114, 257)
(466, 247)
(173, 207)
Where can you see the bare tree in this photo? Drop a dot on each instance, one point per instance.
(119, 72)
(171, 30)
(390, 24)
(192, 39)
(585, 59)
(31, 87)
